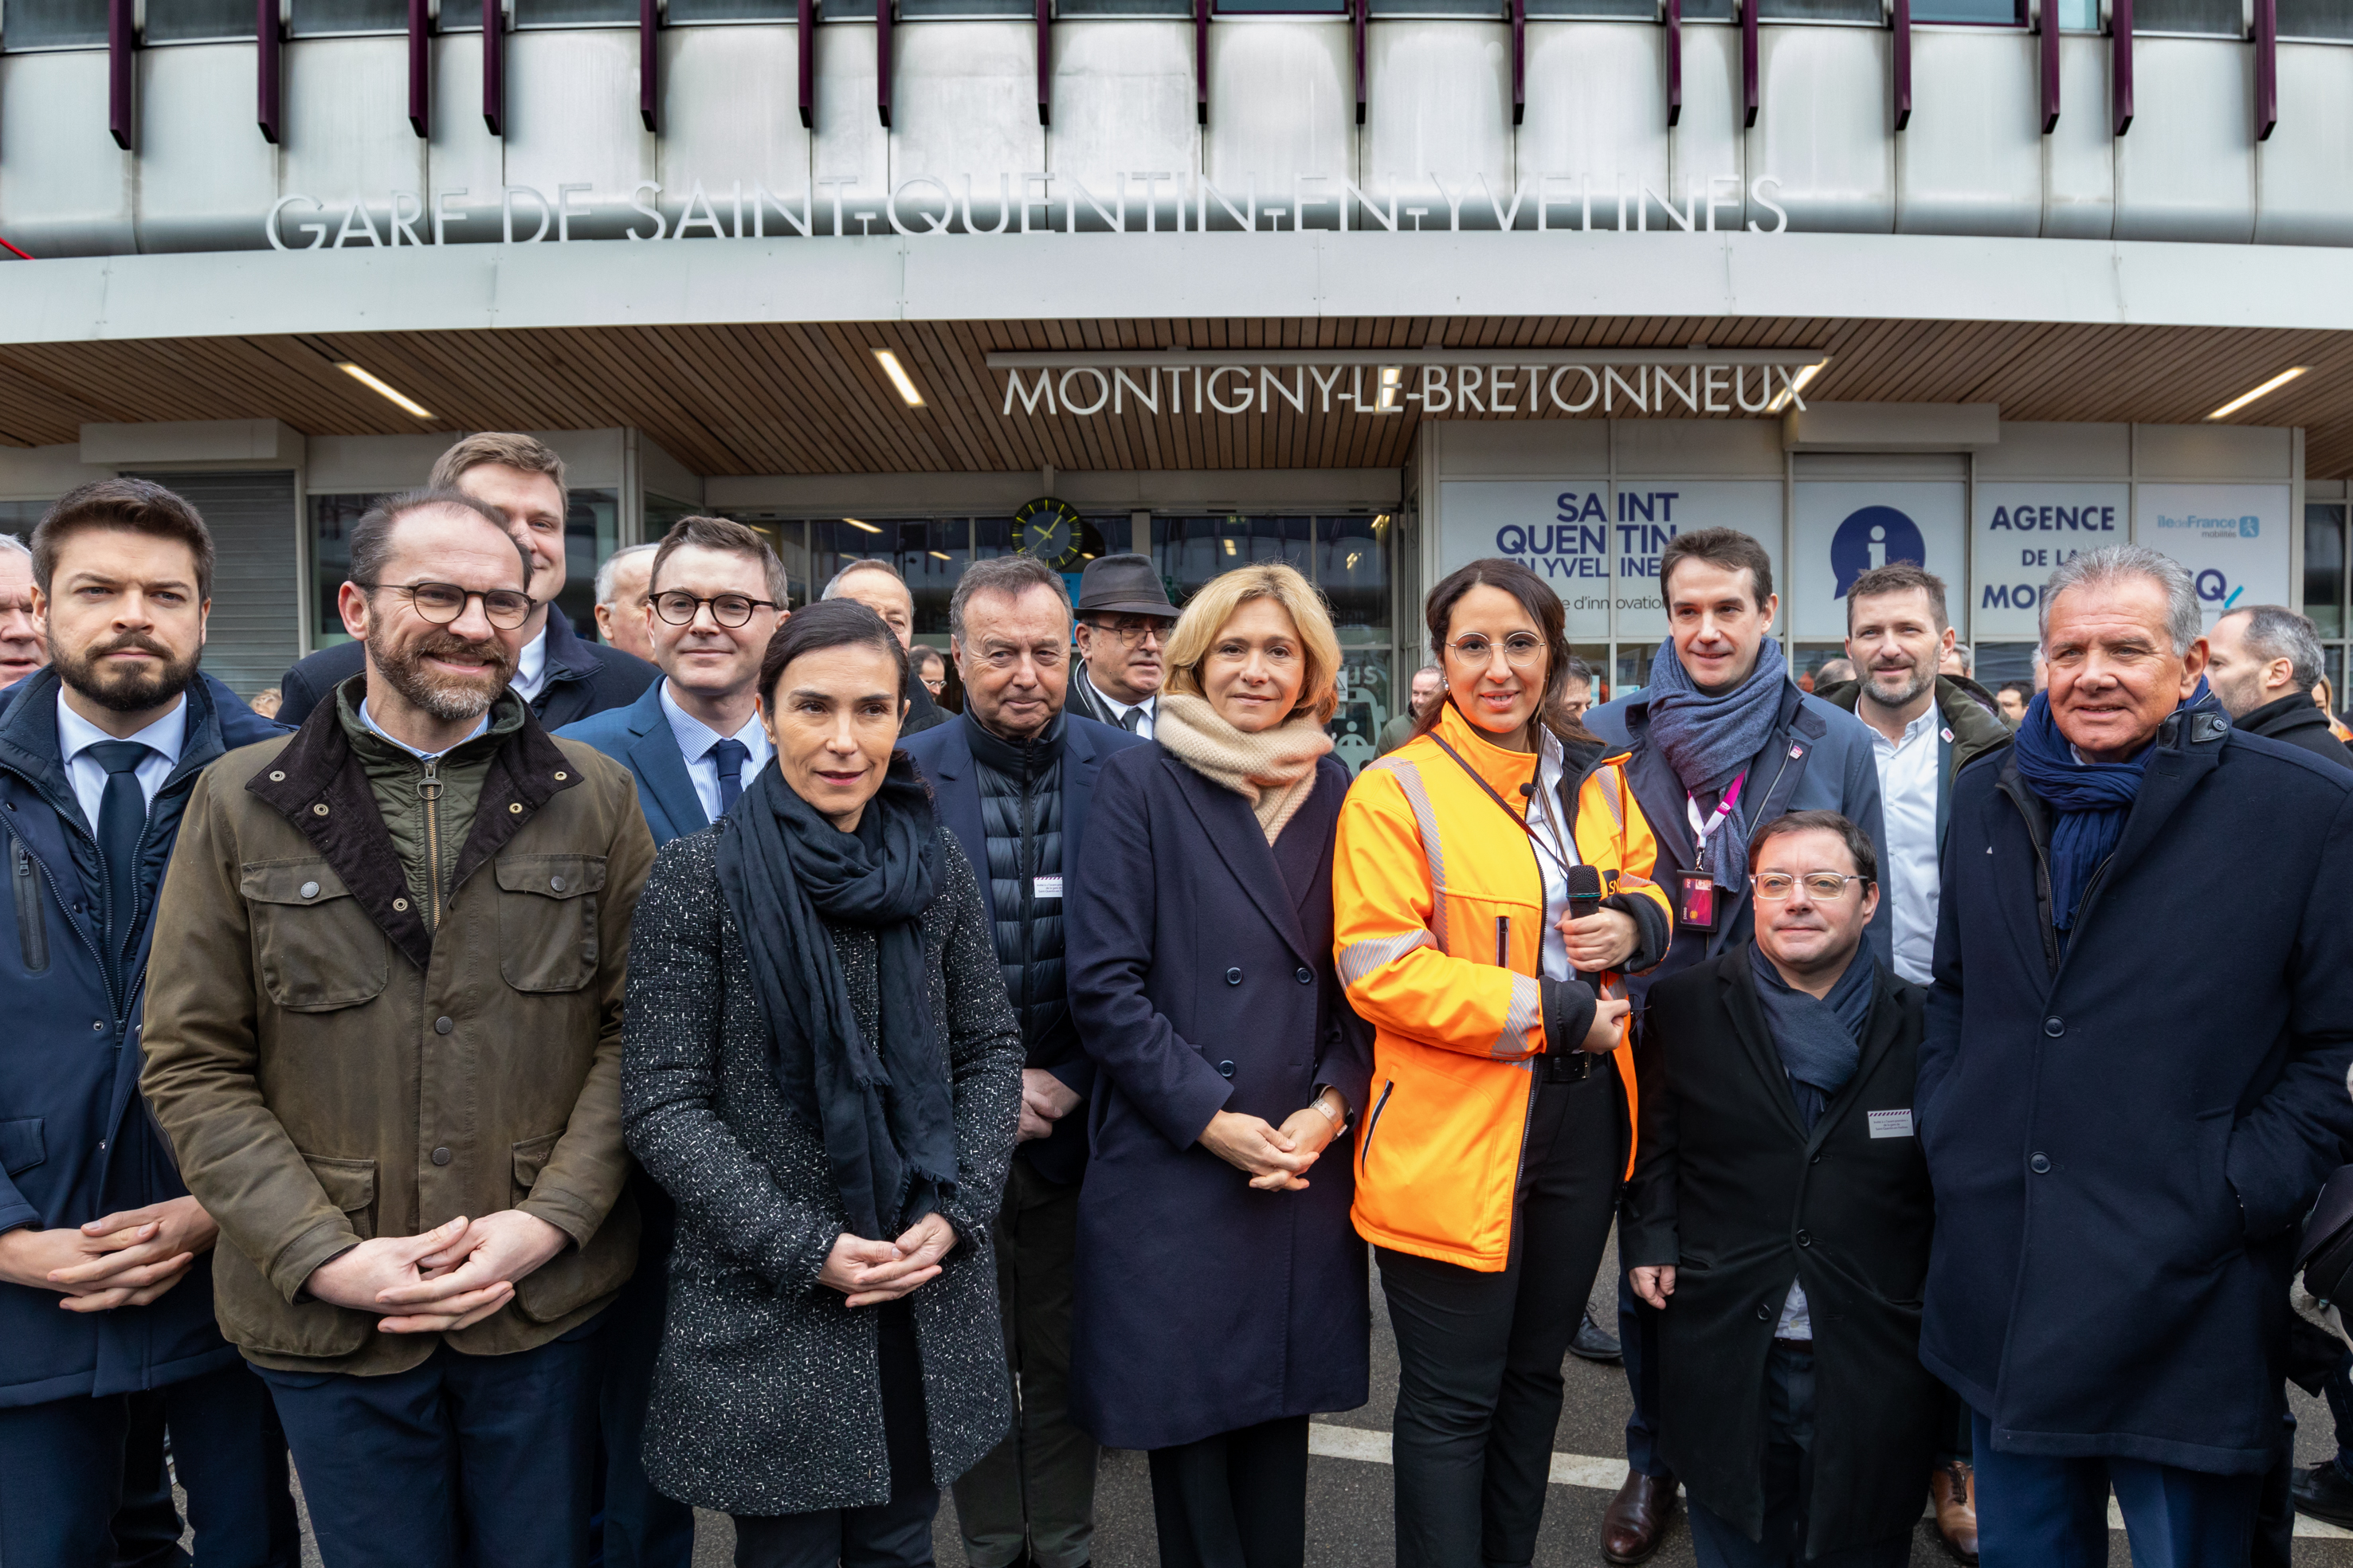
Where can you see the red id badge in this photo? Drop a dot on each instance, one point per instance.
(1696, 908)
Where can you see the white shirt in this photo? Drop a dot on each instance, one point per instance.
(376, 729)
(1907, 804)
(163, 740)
(1556, 872)
(1119, 710)
(695, 739)
(530, 665)
(1797, 1318)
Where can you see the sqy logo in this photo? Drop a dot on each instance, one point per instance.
(1874, 536)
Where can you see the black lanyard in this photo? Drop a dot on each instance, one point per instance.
(1505, 806)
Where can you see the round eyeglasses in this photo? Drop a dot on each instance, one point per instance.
(729, 610)
(1522, 651)
(442, 602)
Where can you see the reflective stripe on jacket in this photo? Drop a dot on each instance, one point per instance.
(1426, 872)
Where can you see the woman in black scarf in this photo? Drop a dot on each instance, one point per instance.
(822, 1070)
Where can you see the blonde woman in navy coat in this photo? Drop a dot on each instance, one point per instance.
(1222, 1291)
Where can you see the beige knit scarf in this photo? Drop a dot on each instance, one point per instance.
(1274, 770)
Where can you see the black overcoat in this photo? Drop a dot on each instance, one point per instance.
(1201, 978)
(2125, 1134)
(1731, 1188)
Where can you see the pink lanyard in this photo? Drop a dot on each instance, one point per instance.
(1723, 809)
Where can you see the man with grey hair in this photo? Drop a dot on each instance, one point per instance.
(2124, 1142)
(1014, 776)
(621, 600)
(1428, 686)
(2263, 663)
(883, 588)
(24, 647)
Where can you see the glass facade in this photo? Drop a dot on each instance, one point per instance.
(2324, 586)
(591, 533)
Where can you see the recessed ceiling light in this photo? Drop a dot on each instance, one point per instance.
(1230, 547)
(384, 390)
(2274, 384)
(899, 377)
(942, 555)
(867, 526)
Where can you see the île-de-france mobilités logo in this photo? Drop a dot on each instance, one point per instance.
(1874, 536)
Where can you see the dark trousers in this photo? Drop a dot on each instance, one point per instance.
(1788, 1484)
(893, 1534)
(2038, 1513)
(641, 1527)
(67, 1469)
(1638, 1346)
(487, 1460)
(2338, 1391)
(1235, 1501)
(1479, 1385)
(1034, 1493)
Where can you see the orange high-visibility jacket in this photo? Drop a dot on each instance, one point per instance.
(1426, 869)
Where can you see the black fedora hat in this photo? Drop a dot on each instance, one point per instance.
(1123, 585)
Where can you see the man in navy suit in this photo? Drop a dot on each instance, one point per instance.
(692, 741)
(1014, 776)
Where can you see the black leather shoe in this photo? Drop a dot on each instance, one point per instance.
(2326, 1492)
(1593, 1342)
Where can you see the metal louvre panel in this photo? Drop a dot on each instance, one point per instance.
(2187, 169)
(2306, 167)
(206, 178)
(65, 188)
(1440, 102)
(1822, 127)
(1972, 161)
(255, 630)
(341, 94)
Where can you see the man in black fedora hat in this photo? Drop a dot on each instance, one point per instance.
(1124, 617)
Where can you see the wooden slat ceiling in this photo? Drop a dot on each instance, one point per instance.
(809, 399)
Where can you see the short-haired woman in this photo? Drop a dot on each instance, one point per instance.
(1493, 880)
(1221, 1296)
(822, 1070)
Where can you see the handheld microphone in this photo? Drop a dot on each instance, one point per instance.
(1584, 892)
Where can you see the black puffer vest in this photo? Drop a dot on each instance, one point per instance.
(1021, 814)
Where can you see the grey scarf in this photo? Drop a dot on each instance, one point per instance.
(1821, 1041)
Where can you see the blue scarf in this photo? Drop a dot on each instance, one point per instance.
(1708, 740)
(1820, 1039)
(2088, 801)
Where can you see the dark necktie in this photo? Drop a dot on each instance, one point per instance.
(729, 757)
(1132, 720)
(121, 815)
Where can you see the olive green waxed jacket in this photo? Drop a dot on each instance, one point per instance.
(328, 1070)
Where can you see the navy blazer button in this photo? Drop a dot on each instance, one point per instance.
(2053, 1028)
(2039, 1164)
(1804, 1239)
(97, 1025)
(441, 1156)
(1226, 1069)
(1306, 976)
(1233, 977)
(1764, 1311)
(442, 1025)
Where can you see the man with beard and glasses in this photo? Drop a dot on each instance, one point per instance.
(385, 1045)
(1925, 727)
(1723, 740)
(559, 674)
(100, 754)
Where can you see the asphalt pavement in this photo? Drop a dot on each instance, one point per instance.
(1348, 1499)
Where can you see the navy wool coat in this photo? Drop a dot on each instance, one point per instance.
(1201, 978)
(2124, 1133)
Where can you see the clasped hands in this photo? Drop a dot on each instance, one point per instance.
(870, 1272)
(1276, 1159)
(450, 1278)
(125, 1259)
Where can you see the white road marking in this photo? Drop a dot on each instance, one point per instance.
(1371, 1447)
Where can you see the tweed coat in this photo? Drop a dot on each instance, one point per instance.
(767, 1395)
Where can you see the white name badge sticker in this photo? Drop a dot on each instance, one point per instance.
(1045, 887)
(1891, 1123)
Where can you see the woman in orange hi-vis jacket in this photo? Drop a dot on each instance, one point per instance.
(1491, 881)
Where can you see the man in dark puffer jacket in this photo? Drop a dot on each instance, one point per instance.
(1013, 777)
